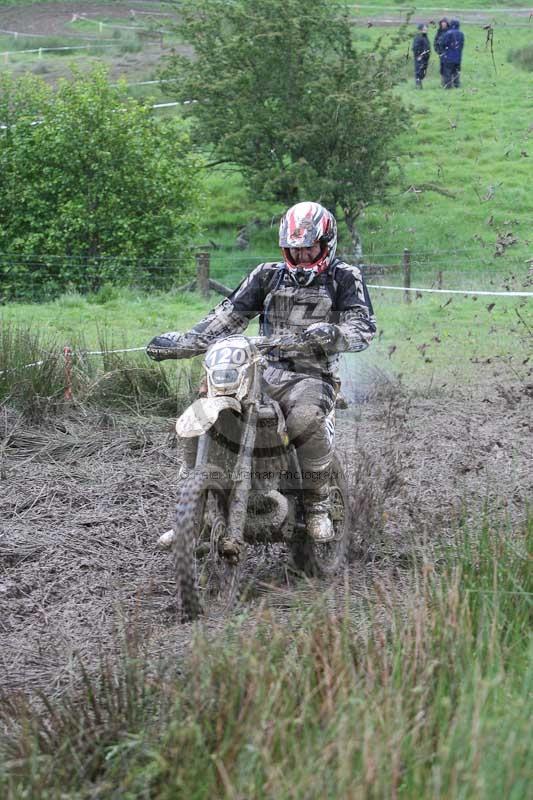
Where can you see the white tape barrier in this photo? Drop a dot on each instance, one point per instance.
(16, 34)
(170, 105)
(6, 53)
(24, 366)
(81, 354)
(103, 25)
(464, 22)
(156, 105)
(142, 83)
(153, 13)
(105, 352)
(451, 291)
(457, 11)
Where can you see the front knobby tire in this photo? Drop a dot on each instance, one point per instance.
(324, 560)
(201, 570)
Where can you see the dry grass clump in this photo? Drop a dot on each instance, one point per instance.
(37, 379)
(432, 701)
(38, 389)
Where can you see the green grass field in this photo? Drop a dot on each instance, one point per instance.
(430, 340)
(464, 171)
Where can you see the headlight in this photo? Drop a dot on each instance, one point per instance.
(223, 377)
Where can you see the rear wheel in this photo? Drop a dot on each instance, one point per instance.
(317, 559)
(203, 565)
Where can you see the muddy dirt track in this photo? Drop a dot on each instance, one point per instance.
(52, 18)
(83, 500)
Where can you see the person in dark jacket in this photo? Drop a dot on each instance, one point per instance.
(438, 45)
(453, 43)
(421, 52)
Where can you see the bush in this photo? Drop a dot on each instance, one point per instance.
(95, 189)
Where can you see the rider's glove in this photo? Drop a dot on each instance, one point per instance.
(322, 336)
(162, 347)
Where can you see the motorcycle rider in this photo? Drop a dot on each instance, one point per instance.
(323, 302)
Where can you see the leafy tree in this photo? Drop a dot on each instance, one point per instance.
(93, 188)
(281, 90)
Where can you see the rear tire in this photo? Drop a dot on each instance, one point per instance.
(200, 526)
(322, 560)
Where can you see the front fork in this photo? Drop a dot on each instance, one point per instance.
(241, 480)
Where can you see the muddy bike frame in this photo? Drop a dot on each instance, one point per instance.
(253, 410)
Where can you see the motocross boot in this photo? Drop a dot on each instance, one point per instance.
(317, 517)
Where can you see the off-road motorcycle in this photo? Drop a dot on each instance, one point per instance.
(241, 482)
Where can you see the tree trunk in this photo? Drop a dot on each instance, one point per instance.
(357, 244)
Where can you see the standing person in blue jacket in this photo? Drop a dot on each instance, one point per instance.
(438, 45)
(421, 52)
(453, 43)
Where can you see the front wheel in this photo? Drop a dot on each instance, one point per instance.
(202, 565)
(323, 560)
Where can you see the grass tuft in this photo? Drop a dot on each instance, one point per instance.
(37, 389)
(432, 698)
(34, 377)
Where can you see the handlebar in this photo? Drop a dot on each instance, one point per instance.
(263, 343)
(289, 341)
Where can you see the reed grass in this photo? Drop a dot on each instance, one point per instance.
(35, 376)
(428, 696)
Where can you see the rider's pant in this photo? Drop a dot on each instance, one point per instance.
(308, 406)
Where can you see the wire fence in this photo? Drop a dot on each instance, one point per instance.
(41, 277)
(49, 371)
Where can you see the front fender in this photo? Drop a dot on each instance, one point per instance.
(202, 415)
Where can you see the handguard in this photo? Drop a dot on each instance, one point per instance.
(169, 346)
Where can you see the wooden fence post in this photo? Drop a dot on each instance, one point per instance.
(406, 274)
(202, 273)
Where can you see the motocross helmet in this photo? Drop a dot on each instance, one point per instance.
(304, 225)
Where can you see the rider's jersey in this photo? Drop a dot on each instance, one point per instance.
(337, 296)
